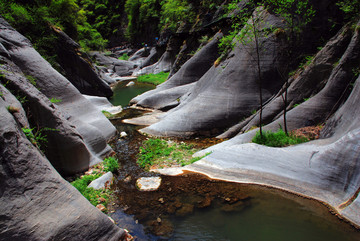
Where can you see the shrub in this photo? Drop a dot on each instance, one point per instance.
(277, 139)
(111, 164)
(124, 57)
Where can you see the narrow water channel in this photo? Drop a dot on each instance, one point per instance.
(193, 207)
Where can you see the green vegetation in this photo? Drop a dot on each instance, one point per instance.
(107, 114)
(55, 100)
(155, 79)
(161, 153)
(111, 164)
(278, 139)
(351, 8)
(39, 20)
(101, 196)
(37, 138)
(306, 62)
(124, 57)
(94, 196)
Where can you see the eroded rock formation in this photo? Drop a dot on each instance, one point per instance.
(36, 202)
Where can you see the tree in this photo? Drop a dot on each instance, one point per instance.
(296, 14)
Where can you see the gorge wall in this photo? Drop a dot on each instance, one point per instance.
(36, 202)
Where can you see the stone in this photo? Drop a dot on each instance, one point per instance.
(102, 182)
(123, 134)
(101, 207)
(131, 83)
(148, 183)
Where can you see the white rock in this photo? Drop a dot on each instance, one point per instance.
(131, 83)
(148, 183)
(123, 134)
(102, 182)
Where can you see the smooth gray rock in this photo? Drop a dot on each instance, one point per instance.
(103, 104)
(102, 182)
(78, 69)
(190, 72)
(227, 93)
(36, 203)
(92, 125)
(65, 148)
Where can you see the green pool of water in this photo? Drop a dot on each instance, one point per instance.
(123, 94)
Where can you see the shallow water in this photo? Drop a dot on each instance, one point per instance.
(123, 94)
(193, 207)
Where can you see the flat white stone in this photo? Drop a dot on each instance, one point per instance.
(148, 183)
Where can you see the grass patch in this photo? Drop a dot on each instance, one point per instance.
(94, 196)
(278, 139)
(155, 79)
(160, 153)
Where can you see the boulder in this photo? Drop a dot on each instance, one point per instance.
(36, 202)
(103, 104)
(102, 182)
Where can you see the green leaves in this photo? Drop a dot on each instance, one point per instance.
(111, 164)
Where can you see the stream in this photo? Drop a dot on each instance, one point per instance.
(194, 207)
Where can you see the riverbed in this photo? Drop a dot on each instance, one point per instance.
(194, 207)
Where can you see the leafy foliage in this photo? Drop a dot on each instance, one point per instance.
(155, 79)
(91, 194)
(55, 100)
(277, 139)
(36, 138)
(35, 20)
(111, 164)
(351, 8)
(124, 57)
(100, 196)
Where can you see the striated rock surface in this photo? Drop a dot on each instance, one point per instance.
(78, 69)
(90, 123)
(36, 203)
(201, 111)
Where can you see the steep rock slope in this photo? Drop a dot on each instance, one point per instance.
(201, 111)
(36, 203)
(91, 124)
